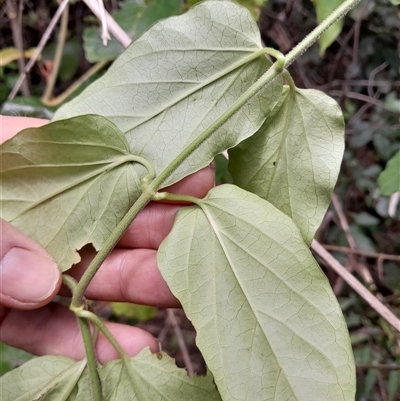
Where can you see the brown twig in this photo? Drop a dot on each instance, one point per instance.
(373, 301)
(39, 49)
(380, 366)
(362, 253)
(62, 36)
(363, 98)
(360, 268)
(15, 15)
(181, 341)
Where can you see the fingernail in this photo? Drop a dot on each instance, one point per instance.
(27, 277)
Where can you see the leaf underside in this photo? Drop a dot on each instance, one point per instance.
(144, 377)
(267, 321)
(68, 183)
(293, 161)
(177, 79)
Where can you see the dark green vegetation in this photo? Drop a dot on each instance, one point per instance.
(363, 80)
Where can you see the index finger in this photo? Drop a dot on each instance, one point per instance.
(10, 126)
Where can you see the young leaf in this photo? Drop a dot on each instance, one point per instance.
(153, 377)
(68, 183)
(267, 321)
(294, 159)
(177, 79)
(389, 179)
(47, 378)
(323, 8)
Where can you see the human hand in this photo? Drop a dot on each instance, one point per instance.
(129, 274)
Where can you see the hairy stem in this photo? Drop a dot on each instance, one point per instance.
(275, 71)
(91, 359)
(151, 189)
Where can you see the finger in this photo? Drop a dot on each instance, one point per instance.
(129, 275)
(154, 223)
(9, 126)
(29, 278)
(197, 184)
(53, 330)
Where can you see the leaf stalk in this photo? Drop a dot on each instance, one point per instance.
(91, 359)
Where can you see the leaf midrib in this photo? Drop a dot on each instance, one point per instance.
(75, 183)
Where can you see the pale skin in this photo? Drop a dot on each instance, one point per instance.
(29, 320)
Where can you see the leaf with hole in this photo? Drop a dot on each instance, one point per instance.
(177, 79)
(268, 324)
(68, 183)
(294, 159)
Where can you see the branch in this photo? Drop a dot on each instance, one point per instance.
(374, 302)
(112, 26)
(39, 49)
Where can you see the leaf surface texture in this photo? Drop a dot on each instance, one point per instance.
(68, 183)
(267, 321)
(294, 159)
(177, 79)
(143, 377)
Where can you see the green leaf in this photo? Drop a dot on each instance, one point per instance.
(47, 378)
(134, 18)
(323, 8)
(294, 159)
(11, 357)
(389, 179)
(177, 79)
(153, 377)
(68, 183)
(267, 321)
(133, 311)
(145, 376)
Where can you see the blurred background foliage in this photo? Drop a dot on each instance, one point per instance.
(356, 62)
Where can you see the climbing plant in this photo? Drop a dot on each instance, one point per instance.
(268, 324)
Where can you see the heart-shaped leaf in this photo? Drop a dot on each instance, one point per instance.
(48, 378)
(143, 377)
(153, 377)
(294, 159)
(68, 183)
(267, 321)
(177, 79)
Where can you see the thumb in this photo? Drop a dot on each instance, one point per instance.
(29, 278)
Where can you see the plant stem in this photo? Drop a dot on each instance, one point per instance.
(55, 101)
(108, 246)
(175, 197)
(87, 315)
(313, 36)
(151, 189)
(289, 80)
(62, 36)
(274, 72)
(70, 282)
(91, 359)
